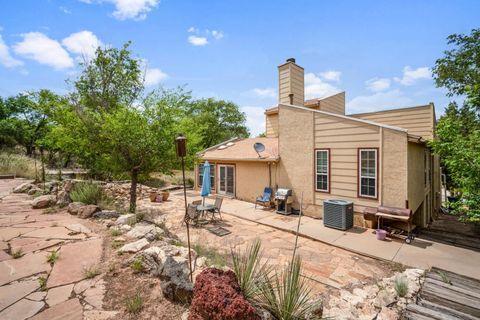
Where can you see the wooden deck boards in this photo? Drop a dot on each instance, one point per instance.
(446, 296)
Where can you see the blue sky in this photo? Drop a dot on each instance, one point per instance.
(379, 52)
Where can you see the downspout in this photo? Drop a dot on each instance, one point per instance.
(380, 196)
(270, 174)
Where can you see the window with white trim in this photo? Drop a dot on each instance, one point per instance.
(322, 159)
(367, 173)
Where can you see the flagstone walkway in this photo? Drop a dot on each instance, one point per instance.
(329, 267)
(29, 285)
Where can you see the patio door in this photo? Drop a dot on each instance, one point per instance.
(226, 179)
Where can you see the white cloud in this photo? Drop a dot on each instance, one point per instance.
(153, 76)
(65, 10)
(315, 87)
(410, 76)
(378, 84)
(129, 9)
(379, 101)
(331, 75)
(6, 58)
(217, 34)
(197, 41)
(83, 43)
(255, 119)
(265, 92)
(193, 29)
(39, 47)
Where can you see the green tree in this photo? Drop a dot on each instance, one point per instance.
(217, 121)
(458, 131)
(25, 118)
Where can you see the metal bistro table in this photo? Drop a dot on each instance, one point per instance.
(205, 207)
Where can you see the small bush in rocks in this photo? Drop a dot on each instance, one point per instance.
(53, 257)
(88, 193)
(42, 281)
(137, 265)
(115, 232)
(217, 296)
(401, 286)
(91, 272)
(134, 304)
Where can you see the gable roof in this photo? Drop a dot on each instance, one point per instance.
(242, 150)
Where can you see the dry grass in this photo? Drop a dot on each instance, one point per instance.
(161, 180)
(20, 165)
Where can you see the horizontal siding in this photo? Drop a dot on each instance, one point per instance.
(418, 121)
(343, 137)
(334, 104)
(271, 129)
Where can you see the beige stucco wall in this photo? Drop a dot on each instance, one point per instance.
(271, 125)
(250, 178)
(394, 168)
(296, 155)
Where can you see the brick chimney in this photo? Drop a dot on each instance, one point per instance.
(291, 87)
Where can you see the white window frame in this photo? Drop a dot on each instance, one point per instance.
(317, 173)
(368, 177)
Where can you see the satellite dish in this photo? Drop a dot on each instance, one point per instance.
(259, 147)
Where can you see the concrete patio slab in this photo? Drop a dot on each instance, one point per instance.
(425, 254)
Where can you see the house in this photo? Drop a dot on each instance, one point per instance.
(313, 148)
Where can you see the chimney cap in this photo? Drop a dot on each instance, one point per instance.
(291, 60)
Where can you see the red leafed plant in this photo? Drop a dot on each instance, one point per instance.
(217, 296)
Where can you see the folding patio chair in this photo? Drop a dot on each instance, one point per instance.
(264, 199)
(218, 205)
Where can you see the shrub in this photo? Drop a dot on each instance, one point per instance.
(401, 286)
(42, 282)
(287, 296)
(91, 272)
(217, 296)
(88, 193)
(53, 257)
(250, 270)
(115, 232)
(134, 304)
(137, 265)
(20, 165)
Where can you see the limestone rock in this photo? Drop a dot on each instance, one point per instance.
(175, 279)
(74, 207)
(145, 230)
(23, 188)
(106, 214)
(34, 190)
(135, 246)
(125, 228)
(43, 202)
(87, 211)
(126, 219)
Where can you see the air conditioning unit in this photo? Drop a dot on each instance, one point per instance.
(338, 214)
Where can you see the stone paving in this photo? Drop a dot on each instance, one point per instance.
(30, 287)
(328, 266)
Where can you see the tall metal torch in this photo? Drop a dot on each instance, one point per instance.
(181, 144)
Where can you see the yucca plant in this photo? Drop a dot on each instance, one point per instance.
(288, 295)
(88, 193)
(251, 271)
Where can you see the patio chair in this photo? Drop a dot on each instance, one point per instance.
(192, 214)
(264, 199)
(218, 205)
